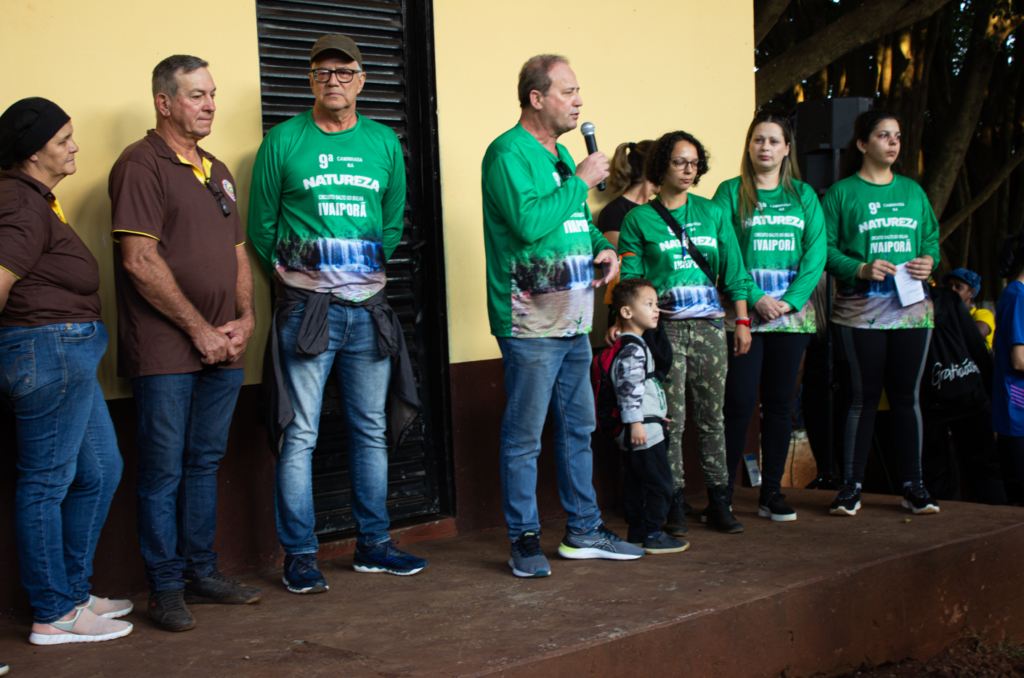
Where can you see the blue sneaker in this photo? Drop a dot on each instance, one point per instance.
(600, 542)
(301, 574)
(527, 559)
(385, 557)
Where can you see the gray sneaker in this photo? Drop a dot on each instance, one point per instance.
(600, 542)
(527, 559)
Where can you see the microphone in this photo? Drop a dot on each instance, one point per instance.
(587, 129)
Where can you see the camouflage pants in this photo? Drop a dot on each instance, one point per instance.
(699, 364)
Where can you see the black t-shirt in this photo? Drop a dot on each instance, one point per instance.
(613, 214)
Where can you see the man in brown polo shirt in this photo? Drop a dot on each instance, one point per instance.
(185, 315)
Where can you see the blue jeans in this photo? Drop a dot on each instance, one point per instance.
(68, 461)
(541, 376)
(183, 432)
(364, 377)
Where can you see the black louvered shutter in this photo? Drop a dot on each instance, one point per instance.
(393, 95)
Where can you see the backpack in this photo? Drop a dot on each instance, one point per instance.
(606, 403)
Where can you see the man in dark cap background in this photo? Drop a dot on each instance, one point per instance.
(325, 214)
(185, 315)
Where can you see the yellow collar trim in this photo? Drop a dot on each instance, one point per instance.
(201, 174)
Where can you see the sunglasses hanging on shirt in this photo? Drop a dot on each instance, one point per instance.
(224, 207)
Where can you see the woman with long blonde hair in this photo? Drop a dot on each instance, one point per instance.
(781, 232)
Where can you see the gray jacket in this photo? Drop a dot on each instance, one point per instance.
(639, 397)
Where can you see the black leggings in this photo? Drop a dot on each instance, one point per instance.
(867, 359)
(777, 376)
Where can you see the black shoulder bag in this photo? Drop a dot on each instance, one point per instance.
(682, 235)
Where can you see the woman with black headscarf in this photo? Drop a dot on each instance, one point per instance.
(51, 342)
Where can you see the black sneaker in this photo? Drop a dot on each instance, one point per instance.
(675, 522)
(847, 502)
(661, 542)
(218, 589)
(917, 499)
(301, 574)
(776, 509)
(704, 514)
(167, 610)
(719, 512)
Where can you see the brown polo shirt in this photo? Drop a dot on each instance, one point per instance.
(57, 276)
(156, 195)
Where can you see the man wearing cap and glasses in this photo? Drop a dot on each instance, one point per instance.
(325, 214)
(185, 315)
(541, 249)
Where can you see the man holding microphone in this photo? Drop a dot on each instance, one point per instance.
(541, 247)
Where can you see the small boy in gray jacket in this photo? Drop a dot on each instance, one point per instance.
(647, 490)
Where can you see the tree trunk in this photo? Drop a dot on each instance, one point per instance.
(766, 14)
(870, 21)
(982, 196)
(971, 86)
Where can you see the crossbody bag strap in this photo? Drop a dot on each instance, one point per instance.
(682, 235)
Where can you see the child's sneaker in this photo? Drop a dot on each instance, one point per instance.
(917, 499)
(776, 509)
(599, 542)
(847, 502)
(663, 542)
(385, 557)
(635, 535)
(527, 559)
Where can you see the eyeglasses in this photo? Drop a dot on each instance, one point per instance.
(682, 164)
(564, 173)
(324, 75)
(219, 196)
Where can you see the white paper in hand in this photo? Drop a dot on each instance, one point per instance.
(909, 290)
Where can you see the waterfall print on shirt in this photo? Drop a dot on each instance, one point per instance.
(352, 263)
(552, 294)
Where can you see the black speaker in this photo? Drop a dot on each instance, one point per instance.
(823, 128)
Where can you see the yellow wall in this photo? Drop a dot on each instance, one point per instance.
(95, 60)
(644, 68)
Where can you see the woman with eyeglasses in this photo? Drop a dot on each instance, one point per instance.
(684, 245)
(781, 232)
(51, 342)
(880, 225)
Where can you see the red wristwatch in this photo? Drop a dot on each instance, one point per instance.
(743, 321)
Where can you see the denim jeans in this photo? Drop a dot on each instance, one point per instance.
(542, 376)
(364, 377)
(183, 432)
(68, 461)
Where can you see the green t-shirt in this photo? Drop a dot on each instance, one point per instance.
(783, 245)
(867, 221)
(539, 238)
(325, 212)
(651, 250)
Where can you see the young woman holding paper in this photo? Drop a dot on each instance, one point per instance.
(880, 225)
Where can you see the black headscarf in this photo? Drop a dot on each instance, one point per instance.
(26, 126)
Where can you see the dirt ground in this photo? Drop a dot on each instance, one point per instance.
(969, 657)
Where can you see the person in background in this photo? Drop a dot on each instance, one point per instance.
(781, 233)
(656, 244)
(51, 343)
(184, 316)
(627, 175)
(967, 284)
(955, 400)
(877, 220)
(541, 248)
(1008, 351)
